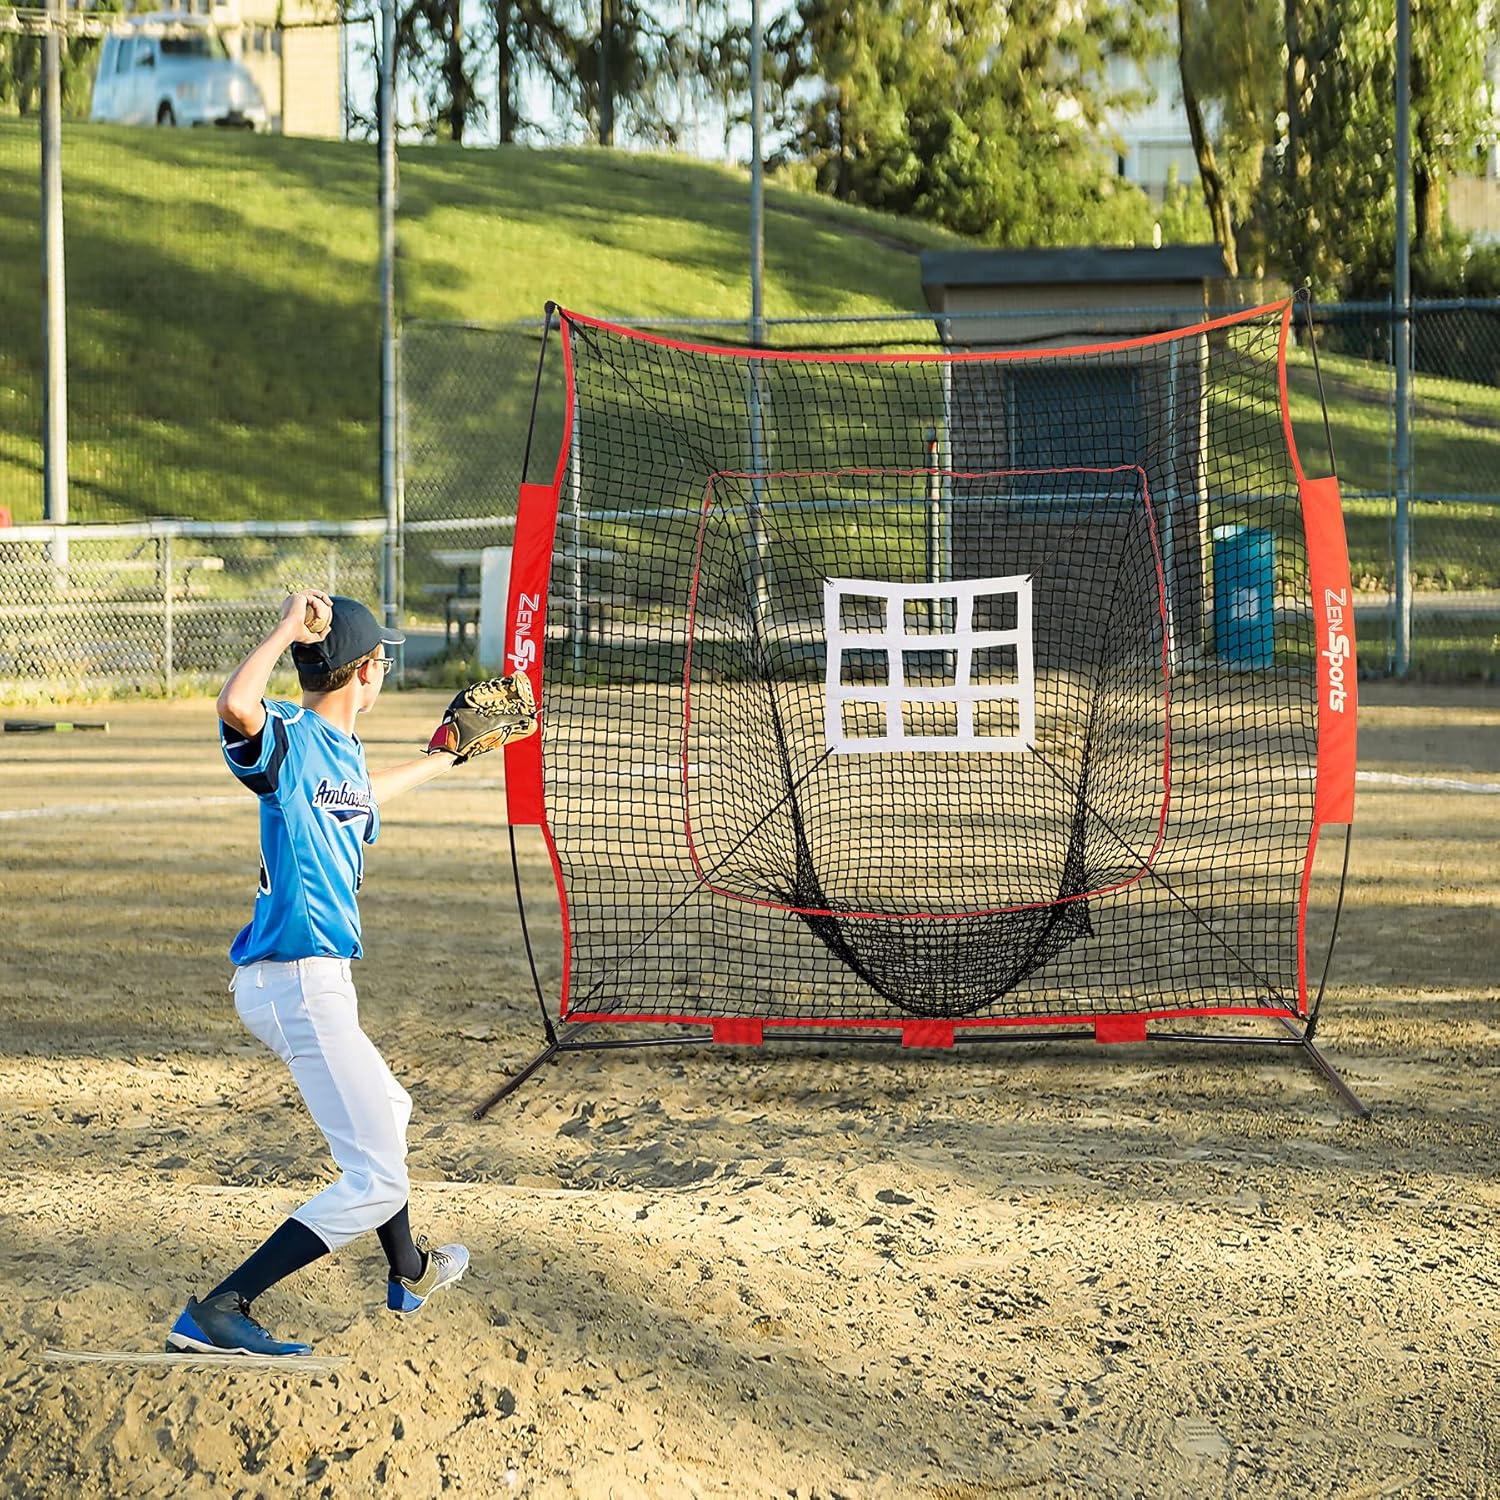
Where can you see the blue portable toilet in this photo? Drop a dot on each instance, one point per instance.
(1244, 595)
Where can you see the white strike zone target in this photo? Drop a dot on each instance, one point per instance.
(983, 693)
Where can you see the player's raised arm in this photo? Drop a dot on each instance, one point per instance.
(305, 618)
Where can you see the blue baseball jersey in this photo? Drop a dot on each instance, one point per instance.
(316, 815)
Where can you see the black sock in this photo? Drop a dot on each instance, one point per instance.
(290, 1248)
(400, 1249)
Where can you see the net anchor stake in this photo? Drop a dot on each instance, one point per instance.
(1326, 1068)
(515, 1081)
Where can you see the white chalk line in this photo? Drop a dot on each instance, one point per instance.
(98, 809)
(279, 1364)
(1426, 783)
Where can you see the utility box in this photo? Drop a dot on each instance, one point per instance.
(1245, 595)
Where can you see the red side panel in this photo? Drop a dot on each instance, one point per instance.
(525, 630)
(1333, 625)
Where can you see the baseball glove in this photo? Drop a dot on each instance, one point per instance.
(486, 716)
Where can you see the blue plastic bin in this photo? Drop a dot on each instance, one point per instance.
(1244, 595)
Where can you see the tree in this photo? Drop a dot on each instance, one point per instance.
(1331, 200)
(530, 41)
(987, 119)
(21, 69)
(1312, 193)
(1214, 191)
(430, 42)
(617, 70)
(1449, 119)
(1228, 58)
(605, 68)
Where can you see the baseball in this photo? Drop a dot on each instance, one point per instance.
(316, 620)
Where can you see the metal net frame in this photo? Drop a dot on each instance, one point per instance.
(932, 696)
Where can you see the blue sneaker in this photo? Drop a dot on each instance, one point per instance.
(223, 1325)
(445, 1265)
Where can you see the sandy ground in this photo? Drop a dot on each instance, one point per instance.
(802, 1273)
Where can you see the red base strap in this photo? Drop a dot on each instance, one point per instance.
(927, 1034)
(1120, 1029)
(740, 1033)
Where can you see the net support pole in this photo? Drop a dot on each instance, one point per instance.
(54, 296)
(1402, 351)
(759, 594)
(940, 478)
(934, 511)
(1200, 641)
(936, 567)
(945, 452)
(1169, 516)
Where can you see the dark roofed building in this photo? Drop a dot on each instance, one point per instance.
(1057, 296)
(1035, 430)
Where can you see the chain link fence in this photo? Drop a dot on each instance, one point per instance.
(162, 605)
(467, 394)
(466, 402)
(1453, 514)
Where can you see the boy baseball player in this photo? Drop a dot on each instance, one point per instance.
(319, 807)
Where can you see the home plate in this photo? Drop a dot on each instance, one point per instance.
(283, 1364)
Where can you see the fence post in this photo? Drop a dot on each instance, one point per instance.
(164, 542)
(54, 294)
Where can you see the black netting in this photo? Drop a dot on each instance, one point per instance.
(955, 687)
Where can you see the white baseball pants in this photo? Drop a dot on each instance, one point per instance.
(307, 1013)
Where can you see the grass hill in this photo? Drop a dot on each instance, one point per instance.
(223, 321)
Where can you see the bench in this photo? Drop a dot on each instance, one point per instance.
(460, 608)
(598, 612)
(461, 597)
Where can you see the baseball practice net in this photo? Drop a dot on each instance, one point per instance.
(933, 690)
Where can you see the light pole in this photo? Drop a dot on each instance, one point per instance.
(388, 480)
(1401, 353)
(759, 595)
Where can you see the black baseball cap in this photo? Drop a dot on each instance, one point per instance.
(355, 632)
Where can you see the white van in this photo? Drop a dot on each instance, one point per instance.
(173, 69)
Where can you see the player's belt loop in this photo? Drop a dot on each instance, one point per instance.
(260, 982)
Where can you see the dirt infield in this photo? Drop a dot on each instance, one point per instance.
(816, 1273)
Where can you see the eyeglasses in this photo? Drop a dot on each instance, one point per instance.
(385, 663)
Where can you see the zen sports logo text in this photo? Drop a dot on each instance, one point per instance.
(1339, 647)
